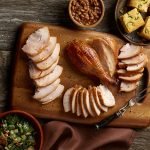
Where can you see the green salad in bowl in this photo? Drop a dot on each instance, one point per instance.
(17, 133)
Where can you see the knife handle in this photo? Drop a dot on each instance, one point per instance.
(106, 121)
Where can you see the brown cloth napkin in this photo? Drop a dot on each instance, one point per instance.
(63, 136)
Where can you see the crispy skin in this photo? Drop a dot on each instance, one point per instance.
(87, 61)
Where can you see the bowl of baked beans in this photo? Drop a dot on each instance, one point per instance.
(86, 13)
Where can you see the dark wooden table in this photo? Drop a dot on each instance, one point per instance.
(14, 12)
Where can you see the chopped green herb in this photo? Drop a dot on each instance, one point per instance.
(16, 133)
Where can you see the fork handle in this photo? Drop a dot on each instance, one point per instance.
(106, 121)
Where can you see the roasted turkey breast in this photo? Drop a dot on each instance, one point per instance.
(128, 86)
(129, 50)
(82, 100)
(36, 73)
(87, 61)
(88, 102)
(131, 78)
(37, 41)
(67, 99)
(45, 52)
(53, 95)
(134, 60)
(44, 91)
(106, 96)
(50, 78)
(45, 64)
(106, 55)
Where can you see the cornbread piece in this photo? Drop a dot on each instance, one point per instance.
(132, 20)
(141, 5)
(145, 33)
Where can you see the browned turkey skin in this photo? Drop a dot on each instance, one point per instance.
(87, 61)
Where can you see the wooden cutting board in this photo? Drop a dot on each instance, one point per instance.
(23, 88)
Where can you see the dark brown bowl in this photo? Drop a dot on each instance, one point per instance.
(33, 121)
(121, 8)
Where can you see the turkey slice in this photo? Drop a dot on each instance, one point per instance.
(128, 86)
(106, 54)
(35, 73)
(50, 60)
(67, 100)
(94, 107)
(37, 41)
(137, 66)
(128, 51)
(131, 78)
(87, 103)
(129, 73)
(134, 60)
(98, 101)
(45, 52)
(106, 96)
(73, 101)
(52, 96)
(124, 72)
(78, 106)
(51, 77)
(44, 91)
(82, 99)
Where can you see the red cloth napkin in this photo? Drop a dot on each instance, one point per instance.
(63, 136)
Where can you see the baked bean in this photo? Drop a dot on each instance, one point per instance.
(86, 12)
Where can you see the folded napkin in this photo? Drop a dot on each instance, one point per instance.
(63, 136)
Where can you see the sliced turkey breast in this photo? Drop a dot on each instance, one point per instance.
(36, 73)
(129, 73)
(98, 101)
(128, 86)
(121, 71)
(94, 107)
(44, 91)
(113, 43)
(67, 99)
(73, 102)
(82, 100)
(133, 78)
(106, 54)
(50, 60)
(45, 53)
(106, 96)
(53, 95)
(51, 77)
(78, 99)
(87, 103)
(137, 66)
(124, 72)
(37, 41)
(134, 60)
(128, 51)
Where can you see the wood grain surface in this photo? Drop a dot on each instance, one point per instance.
(14, 12)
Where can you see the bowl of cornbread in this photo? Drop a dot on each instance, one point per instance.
(133, 20)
